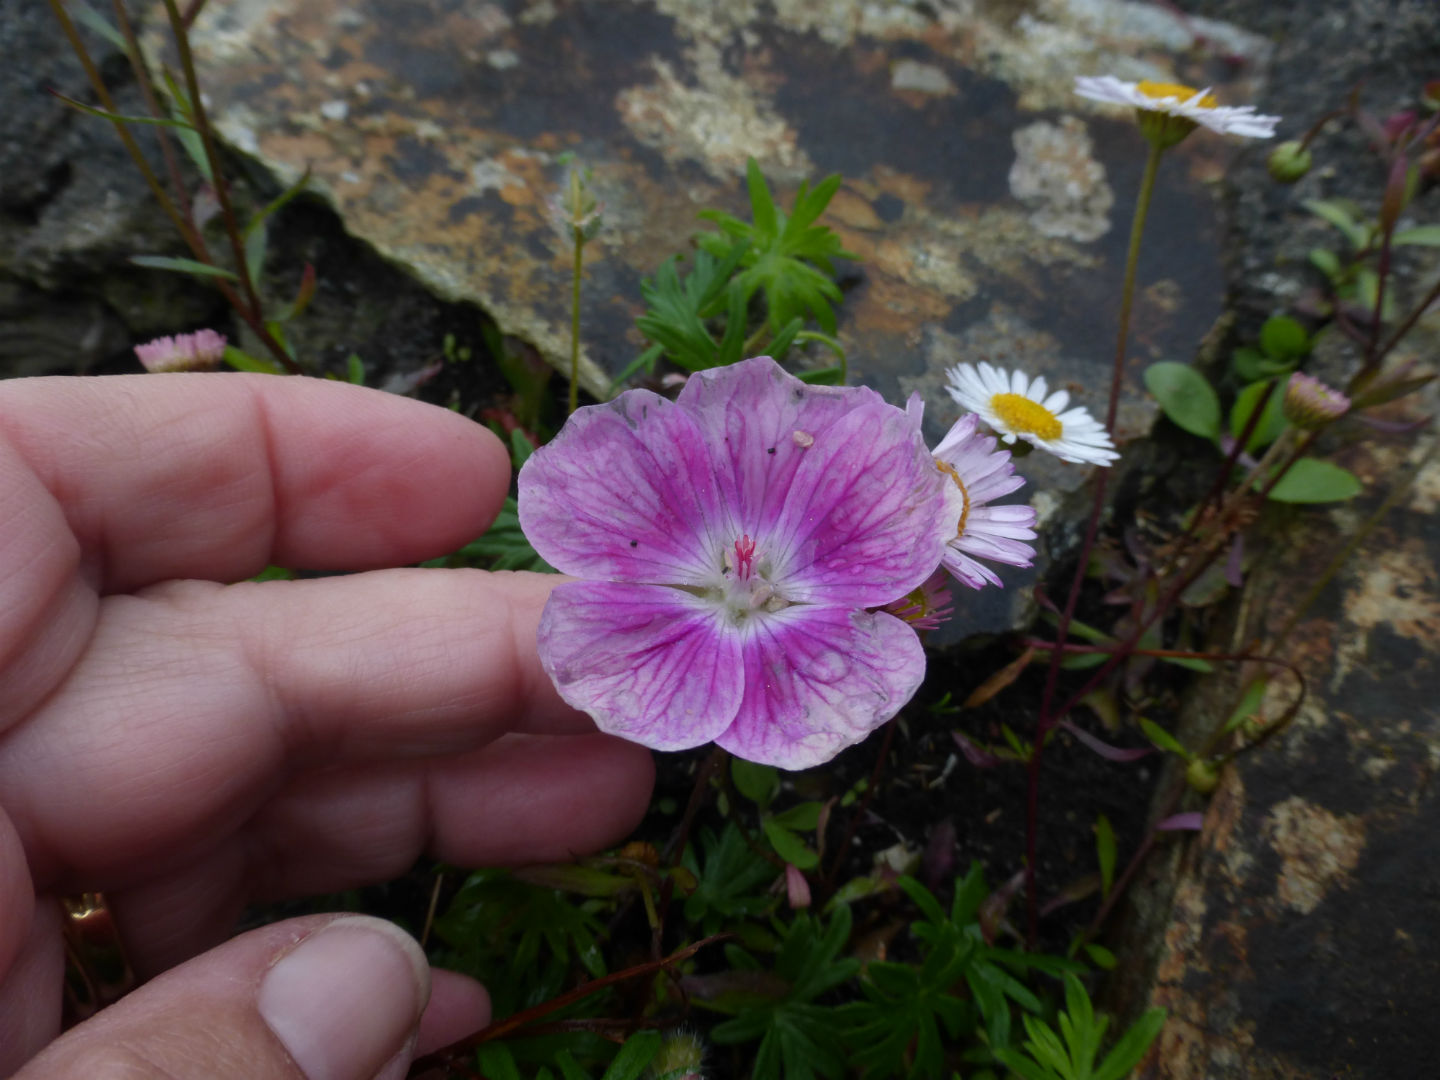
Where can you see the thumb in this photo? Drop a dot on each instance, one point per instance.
(324, 998)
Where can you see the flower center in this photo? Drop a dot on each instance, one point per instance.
(746, 588)
(1161, 90)
(949, 470)
(1025, 417)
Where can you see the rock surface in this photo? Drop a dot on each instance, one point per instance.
(988, 205)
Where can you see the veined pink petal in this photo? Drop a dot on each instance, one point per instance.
(866, 518)
(756, 419)
(648, 663)
(818, 679)
(627, 492)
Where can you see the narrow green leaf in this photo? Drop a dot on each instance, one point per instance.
(1339, 215)
(1105, 853)
(1163, 739)
(1310, 480)
(762, 206)
(355, 369)
(1186, 397)
(88, 17)
(182, 266)
(118, 118)
(1249, 704)
(1424, 235)
(1326, 261)
(1192, 663)
(520, 447)
(257, 242)
(1131, 1047)
(243, 361)
(1101, 957)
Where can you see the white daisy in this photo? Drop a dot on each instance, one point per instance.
(1170, 111)
(1018, 408)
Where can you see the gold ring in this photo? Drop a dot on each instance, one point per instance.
(97, 971)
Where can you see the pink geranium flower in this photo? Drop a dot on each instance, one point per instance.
(736, 542)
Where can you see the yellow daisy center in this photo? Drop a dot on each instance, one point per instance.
(949, 470)
(1025, 417)
(1161, 90)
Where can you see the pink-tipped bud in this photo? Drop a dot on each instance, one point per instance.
(1310, 404)
(797, 889)
(199, 351)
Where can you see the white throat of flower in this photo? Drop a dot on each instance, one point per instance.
(746, 586)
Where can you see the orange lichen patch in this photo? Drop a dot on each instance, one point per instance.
(890, 306)
(848, 208)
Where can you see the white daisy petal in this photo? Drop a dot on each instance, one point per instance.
(1022, 410)
(1166, 99)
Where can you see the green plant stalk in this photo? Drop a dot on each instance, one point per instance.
(189, 234)
(577, 267)
(1048, 718)
(207, 139)
(147, 91)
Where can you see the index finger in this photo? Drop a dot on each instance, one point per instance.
(215, 476)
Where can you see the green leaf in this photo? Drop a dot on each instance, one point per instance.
(87, 16)
(1131, 1046)
(182, 266)
(119, 118)
(1272, 420)
(802, 818)
(1424, 235)
(1186, 397)
(243, 361)
(355, 370)
(634, 1056)
(758, 783)
(1310, 480)
(1248, 705)
(520, 447)
(257, 242)
(1101, 957)
(496, 1062)
(1105, 853)
(789, 846)
(1284, 338)
(1327, 262)
(1163, 739)
(1340, 215)
(1191, 663)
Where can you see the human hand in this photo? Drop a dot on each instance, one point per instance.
(188, 746)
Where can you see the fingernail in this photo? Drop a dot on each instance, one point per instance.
(346, 999)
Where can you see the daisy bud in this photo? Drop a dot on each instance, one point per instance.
(681, 1057)
(1289, 161)
(1310, 404)
(199, 351)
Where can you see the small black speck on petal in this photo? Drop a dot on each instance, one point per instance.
(634, 543)
(770, 451)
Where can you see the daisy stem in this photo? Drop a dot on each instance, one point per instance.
(575, 272)
(1048, 717)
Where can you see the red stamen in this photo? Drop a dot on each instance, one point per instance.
(744, 557)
